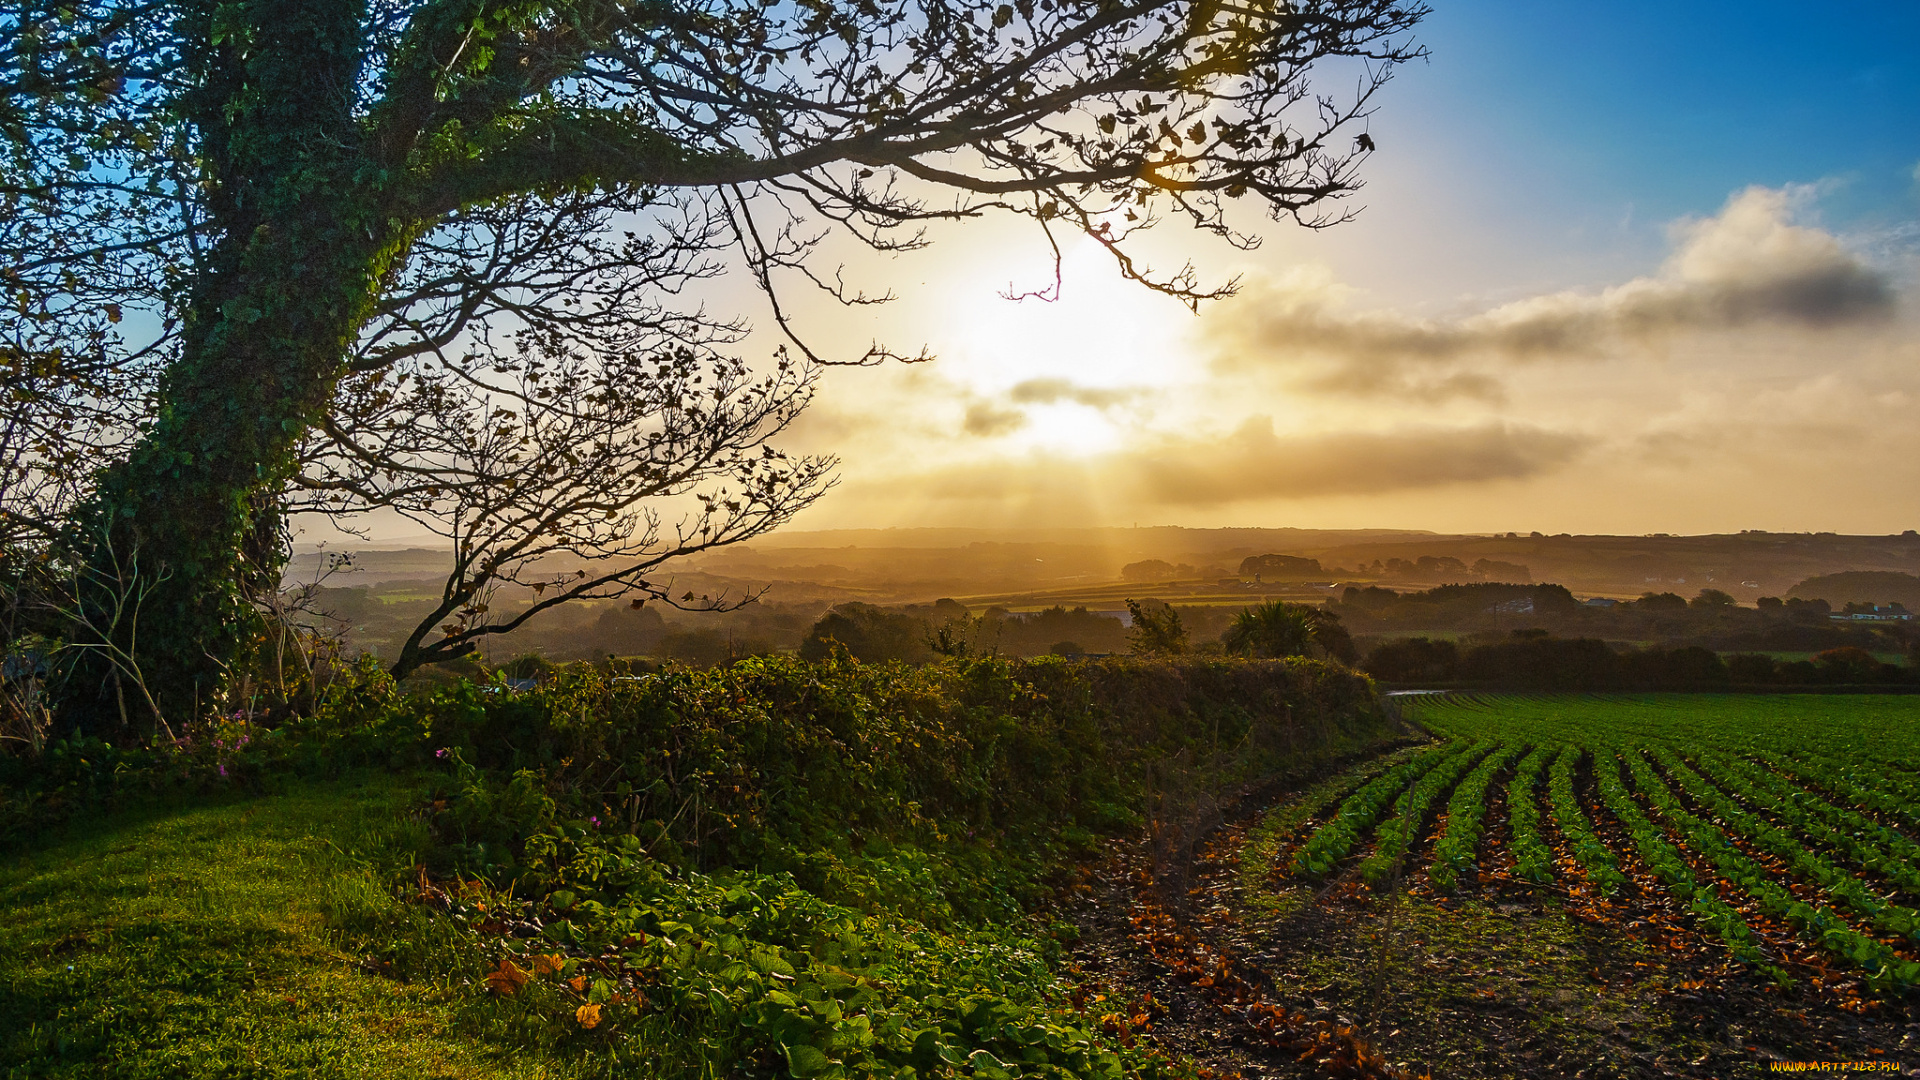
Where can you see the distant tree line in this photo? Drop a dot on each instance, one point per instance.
(917, 634)
(1448, 568)
(1711, 619)
(1278, 567)
(920, 633)
(1537, 660)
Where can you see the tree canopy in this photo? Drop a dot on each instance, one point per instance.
(266, 257)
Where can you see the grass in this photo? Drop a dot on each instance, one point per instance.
(209, 942)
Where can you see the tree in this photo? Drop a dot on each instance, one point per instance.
(1850, 663)
(1279, 629)
(1157, 629)
(1273, 630)
(231, 230)
(872, 634)
(545, 486)
(1149, 570)
(1416, 659)
(1665, 601)
(1280, 567)
(1495, 570)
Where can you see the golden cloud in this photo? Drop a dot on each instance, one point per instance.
(1254, 463)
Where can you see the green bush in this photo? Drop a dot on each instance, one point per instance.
(970, 777)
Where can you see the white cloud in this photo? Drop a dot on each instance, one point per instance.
(1748, 266)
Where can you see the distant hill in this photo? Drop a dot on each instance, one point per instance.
(1039, 568)
(1861, 586)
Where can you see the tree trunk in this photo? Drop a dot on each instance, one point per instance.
(180, 530)
(188, 525)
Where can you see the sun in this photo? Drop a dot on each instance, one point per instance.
(1084, 369)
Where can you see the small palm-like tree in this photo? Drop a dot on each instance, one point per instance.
(1273, 630)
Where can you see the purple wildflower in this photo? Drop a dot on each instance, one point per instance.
(223, 772)
(440, 753)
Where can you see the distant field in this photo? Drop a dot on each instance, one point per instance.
(1115, 594)
(1883, 657)
(1783, 826)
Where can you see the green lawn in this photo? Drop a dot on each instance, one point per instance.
(210, 941)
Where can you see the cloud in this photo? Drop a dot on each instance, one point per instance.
(1256, 463)
(1049, 391)
(1253, 463)
(986, 417)
(1749, 265)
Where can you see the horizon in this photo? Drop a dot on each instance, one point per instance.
(431, 542)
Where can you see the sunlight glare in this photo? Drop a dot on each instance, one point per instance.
(1105, 335)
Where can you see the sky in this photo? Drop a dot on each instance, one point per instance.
(1619, 268)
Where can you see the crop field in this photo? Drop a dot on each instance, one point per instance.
(1599, 886)
(1784, 826)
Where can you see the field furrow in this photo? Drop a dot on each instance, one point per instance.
(1787, 829)
(1393, 838)
(1334, 840)
(1532, 858)
(1854, 836)
(1874, 958)
(1466, 810)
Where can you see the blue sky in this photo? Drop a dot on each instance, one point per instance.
(1566, 120)
(1673, 104)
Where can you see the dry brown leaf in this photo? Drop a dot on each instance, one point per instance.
(579, 983)
(548, 963)
(507, 979)
(588, 1015)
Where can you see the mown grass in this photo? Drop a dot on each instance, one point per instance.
(208, 941)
